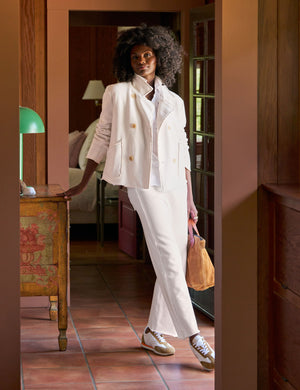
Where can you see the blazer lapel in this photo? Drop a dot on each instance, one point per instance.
(165, 107)
(166, 103)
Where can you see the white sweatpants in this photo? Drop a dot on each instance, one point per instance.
(164, 219)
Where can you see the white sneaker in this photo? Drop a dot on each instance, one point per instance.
(203, 352)
(156, 343)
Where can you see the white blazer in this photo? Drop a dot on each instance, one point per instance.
(124, 136)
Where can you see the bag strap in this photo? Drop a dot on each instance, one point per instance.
(192, 226)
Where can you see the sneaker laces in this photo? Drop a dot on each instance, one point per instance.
(201, 345)
(159, 336)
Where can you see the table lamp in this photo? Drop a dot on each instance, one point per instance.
(94, 91)
(29, 123)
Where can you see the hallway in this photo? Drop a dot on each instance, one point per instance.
(110, 301)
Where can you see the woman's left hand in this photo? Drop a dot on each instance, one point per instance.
(192, 211)
(191, 208)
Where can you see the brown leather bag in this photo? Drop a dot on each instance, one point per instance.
(200, 271)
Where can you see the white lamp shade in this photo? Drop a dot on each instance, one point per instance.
(94, 90)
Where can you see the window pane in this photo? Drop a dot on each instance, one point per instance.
(208, 151)
(199, 31)
(210, 76)
(199, 190)
(202, 223)
(211, 37)
(198, 114)
(205, 226)
(198, 76)
(210, 115)
(210, 240)
(198, 142)
(210, 192)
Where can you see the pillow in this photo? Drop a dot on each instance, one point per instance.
(73, 135)
(76, 140)
(90, 131)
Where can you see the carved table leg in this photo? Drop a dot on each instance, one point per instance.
(62, 339)
(62, 322)
(62, 288)
(53, 308)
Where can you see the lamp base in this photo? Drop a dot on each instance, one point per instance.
(26, 191)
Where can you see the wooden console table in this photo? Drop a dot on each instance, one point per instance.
(44, 226)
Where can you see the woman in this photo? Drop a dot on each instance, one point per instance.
(141, 135)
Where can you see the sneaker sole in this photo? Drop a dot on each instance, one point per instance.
(145, 346)
(203, 367)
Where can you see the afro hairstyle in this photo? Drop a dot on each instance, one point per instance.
(161, 40)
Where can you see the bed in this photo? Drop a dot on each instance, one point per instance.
(83, 207)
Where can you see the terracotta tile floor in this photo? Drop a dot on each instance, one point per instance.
(110, 301)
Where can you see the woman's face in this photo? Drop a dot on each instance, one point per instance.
(143, 62)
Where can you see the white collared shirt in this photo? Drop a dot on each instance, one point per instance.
(151, 107)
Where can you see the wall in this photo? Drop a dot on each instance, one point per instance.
(9, 160)
(236, 194)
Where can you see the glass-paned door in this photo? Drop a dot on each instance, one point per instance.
(202, 133)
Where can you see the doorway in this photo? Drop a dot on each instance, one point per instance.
(92, 40)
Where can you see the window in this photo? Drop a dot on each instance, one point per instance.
(202, 131)
(202, 125)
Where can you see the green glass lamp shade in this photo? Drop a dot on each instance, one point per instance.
(30, 121)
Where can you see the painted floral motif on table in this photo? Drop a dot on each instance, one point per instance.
(36, 250)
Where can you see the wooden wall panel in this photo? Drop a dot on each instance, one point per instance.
(33, 84)
(286, 319)
(27, 82)
(286, 263)
(286, 292)
(278, 119)
(91, 55)
(40, 90)
(288, 91)
(267, 83)
(278, 163)
(264, 282)
(279, 337)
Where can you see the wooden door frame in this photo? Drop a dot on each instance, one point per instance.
(236, 278)
(236, 194)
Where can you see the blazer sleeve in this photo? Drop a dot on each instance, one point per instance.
(101, 140)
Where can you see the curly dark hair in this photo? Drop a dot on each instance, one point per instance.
(162, 41)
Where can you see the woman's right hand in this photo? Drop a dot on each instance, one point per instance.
(89, 170)
(76, 190)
